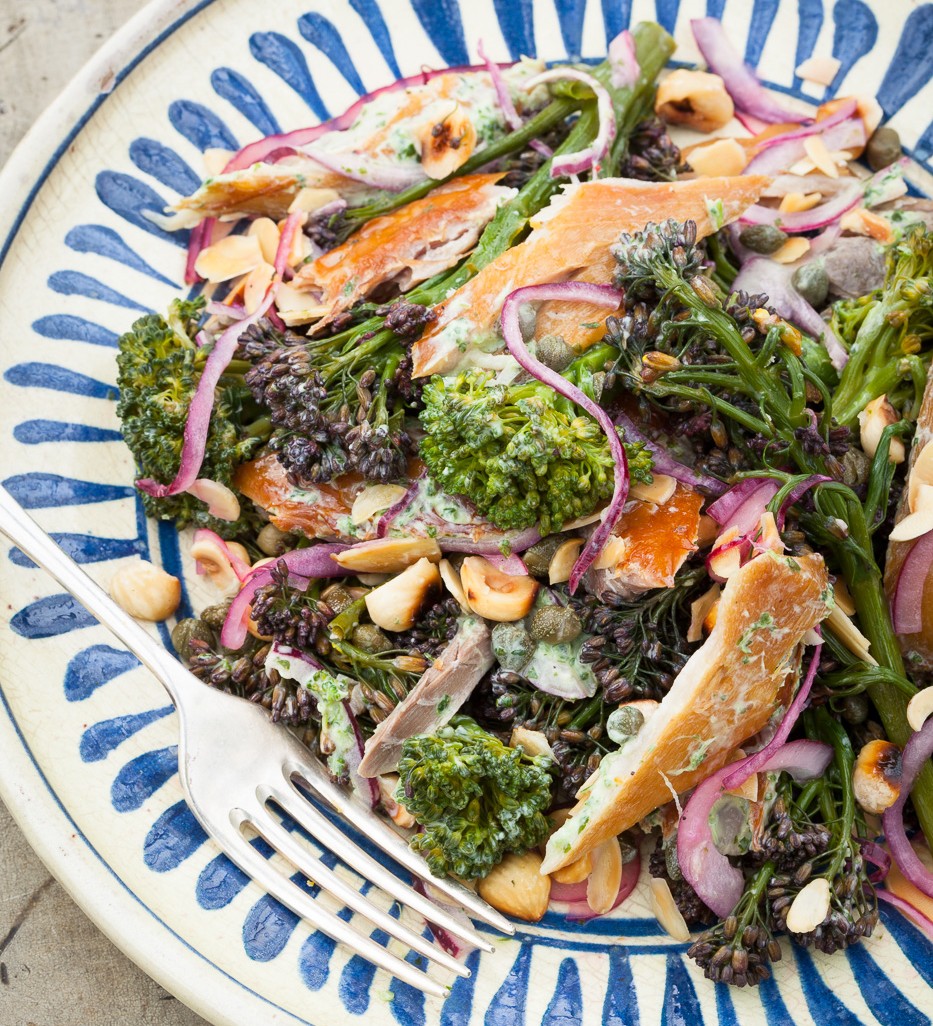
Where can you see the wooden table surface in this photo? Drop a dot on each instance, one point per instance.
(56, 967)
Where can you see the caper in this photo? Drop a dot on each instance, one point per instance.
(214, 616)
(762, 238)
(671, 862)
(512, 645)
(555, 625)
(554, 352)
(812, 283)
(884, 148)
(186, 631)
(337, 598)
(369, 638)
(855, 709)
(624, 723)
(538, 557)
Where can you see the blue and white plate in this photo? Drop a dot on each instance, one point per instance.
(88, 739)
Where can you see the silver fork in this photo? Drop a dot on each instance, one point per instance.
(227, 794)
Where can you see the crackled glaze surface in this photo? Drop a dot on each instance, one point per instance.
(89, 739)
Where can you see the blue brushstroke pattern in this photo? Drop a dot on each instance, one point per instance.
(888, 1005)
(141, 777)
(617, 15)
(37, 432)
(75, 283)
(163, 163)
(621, 1005)
(924, 146)
(74, 329)
(50, 617)
(913, 942)
(457, 1009)
(442, 23)
(130, 199)
(407, 1004)
(369, 11)
(175, 836)
(282, 56)
(356, 980)
(88, 548)
(236, 89)
(763, 14)
(268, 924)
(507, 1007)
(725, 1010)
(201, 126)
(42, 491)
(810, 15)
(571, 14)
(566, 1006)
(667, 11)
(911, 67)
(321, 33)
(775, 1010)
(855, 33)
(220, 881)
(170, 553)
(100, 739)
(315, 955)
(58, 379)
(823, 1003)
(517, 22)
(105, 242)
(93, 667)
(681, 1007)
(714, 8)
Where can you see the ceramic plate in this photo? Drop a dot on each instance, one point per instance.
(88, 739)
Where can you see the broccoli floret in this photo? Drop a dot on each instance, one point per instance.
(889, 331)
(159, 366)
(476, 798)
(520, 453)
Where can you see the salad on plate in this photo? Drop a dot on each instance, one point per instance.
(556, 442)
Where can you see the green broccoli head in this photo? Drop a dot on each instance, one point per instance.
(158, 368)
(522, 454)
(476, 798)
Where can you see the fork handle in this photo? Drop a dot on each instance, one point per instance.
(23, 531)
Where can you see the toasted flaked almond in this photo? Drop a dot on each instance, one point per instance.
(853, 639)
(696, 99)
(792, 250)
(215, 564)
(709, 621)
(388, 555)
(749, 789)
(394, 606)
(843, 597)
(666, 911)
(561, 565)
(400, 816)
(921, 475)
(698, 611)
(810, 907)
(590, 518)
(533, 742)
(876, 778)
(919, 708)
(820, 70)
(267, 231)
(229, 258)
(870, 111)
(602, 887)
(145, 591)
(517, 888)
(707, 531)
(296, 306)
(447, 144)
(452, 583)
(215, 160)
(299, 247)
(221, 500)
(257, 285)
(793, 202)
(576, 872)
(613, 553)
(816, 150)
(866, 222)
(913, 525)
(662, 487)
(722, 158)
(308, 199)
(494, 594)
(725, 559)
(374, 499)
(876, 416)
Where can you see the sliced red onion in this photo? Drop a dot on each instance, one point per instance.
(819, 244)
(755, 762)
(750, 123)
(623, 61)
(286, 240)
(229, 311)
(915, 756)
(739, 542)
(759, 274)
(240, 567)
(574, 895)
(198, 240)
(747, 92)
(796, 494)
(309, 564)
(806, 220)
(511, 565)
(542, 148)
(366, 787)
(503, 96)
(361, 167)
(598, 295)
(280, 154)
(202, 404)
(878, 857)
(717, 882)
(783, 151)
(907, 909)
(451, 944)
(907, 607)
(587, 159)
(664, 463)
(744, 503)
